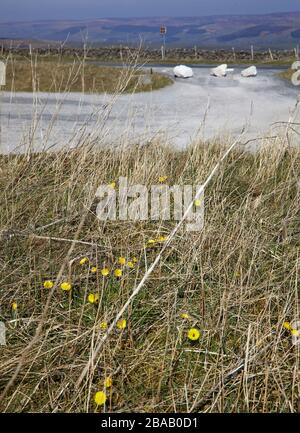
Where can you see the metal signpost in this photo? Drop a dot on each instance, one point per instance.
(163, 32)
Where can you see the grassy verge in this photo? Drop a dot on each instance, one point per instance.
(77, 76)
(287, 75)
(236, 282)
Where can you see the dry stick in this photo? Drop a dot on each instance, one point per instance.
(137, 289)
(73, 241)
(8, 234)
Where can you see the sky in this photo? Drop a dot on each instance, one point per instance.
(18, 10)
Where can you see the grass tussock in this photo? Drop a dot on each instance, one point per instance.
(286, 74)
(37, 74)
(236, 282)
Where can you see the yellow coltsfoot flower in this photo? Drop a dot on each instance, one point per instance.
(118, 273)
(162, 179)
(185, 316)
(193, 334)
(66, 286)
(287, 326)
(108, 382)
(151, 242)
(103, 325)
(122, 260)
(121, 324)
(94, 270)
(105, 272)
(14, 306)
(48, 284)
(112, 185)
(197, 202)
(84, 261)
(130, 265)
(93, 298)
(100, 398)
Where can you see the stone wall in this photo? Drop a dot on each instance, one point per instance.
(107, 54)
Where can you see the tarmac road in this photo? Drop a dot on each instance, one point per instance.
(201, 107)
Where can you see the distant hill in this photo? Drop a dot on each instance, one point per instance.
(281, 30)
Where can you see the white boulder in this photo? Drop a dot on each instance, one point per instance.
(295, 65)
(249, 72)
(183, 71)
(219, 71)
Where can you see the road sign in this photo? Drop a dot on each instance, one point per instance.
(163, 31)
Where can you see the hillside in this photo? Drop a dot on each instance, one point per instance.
(281, 30)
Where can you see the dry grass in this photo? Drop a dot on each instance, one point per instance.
(287, 74)
(37, 74)
(237, 280)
